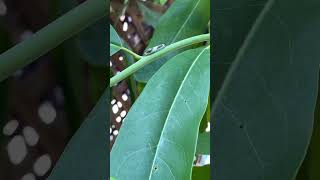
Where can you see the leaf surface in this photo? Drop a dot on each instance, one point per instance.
(185, 18)
(263, 115)
(115, 41)
(203, 143)
(201, 173)
(158, 137)
(92, 43)
(232, 21)
(309, 169)
(85, 156)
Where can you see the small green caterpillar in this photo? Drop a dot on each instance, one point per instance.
(154, 49)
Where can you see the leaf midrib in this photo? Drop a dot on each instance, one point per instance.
(170, 110)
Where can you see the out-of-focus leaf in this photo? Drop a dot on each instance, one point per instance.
(201, 172)
(185, 18)
(169, 109)
(92, 43)
(115, 41)
(150, 17)
(263, 114)
(309, 169)
(85, 156)
(203, 144)
(232, 21)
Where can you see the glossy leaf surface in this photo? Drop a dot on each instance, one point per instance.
(263, 115)
(115, 41)
(185, 18)
(158, 137)
(85, 156)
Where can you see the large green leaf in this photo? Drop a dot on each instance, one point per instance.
(85, 156)
(115, 41)
(311, 164)
(185, 18)
(232, 21)
(201, 172)
(263, 114)
(158, 137)
(92, 43)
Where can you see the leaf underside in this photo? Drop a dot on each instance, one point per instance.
(184, 18)
(115, 41)
(158, 137)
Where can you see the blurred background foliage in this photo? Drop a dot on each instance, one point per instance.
(43, 104)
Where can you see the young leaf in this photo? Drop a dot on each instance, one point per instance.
(115, 41)
(92, 42)
(158, 137)
(150, 17)
(203, 143)
(201, 172)
(263, 115)
(185, 18)
(85, 156)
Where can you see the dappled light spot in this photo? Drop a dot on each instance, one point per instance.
(118, 119)
(208, 127)
(30, 135)
(42, 165)
(113, 101)
(47, 113)
(3, 8)
(123, 113)
(124, 97)
(121, 58)
(125, 26)
(17, 150)
(122, 18)
(10, 127)
(115, 132)
(115, 109)
(28, 176)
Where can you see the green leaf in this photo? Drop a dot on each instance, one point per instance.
(158, 137)
(205, 119)
(309, 169)
(115, 41)
(263, 115)
(149, 16)
(85, 156)
(232, 22)
(201, 172)
(112, 178)
(203, 144)
(91, 43)
(185, 18)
